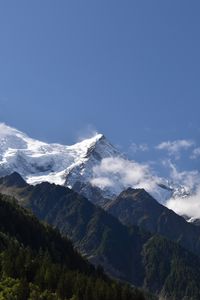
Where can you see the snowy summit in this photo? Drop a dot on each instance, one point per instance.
(93, 162)
(37, 161)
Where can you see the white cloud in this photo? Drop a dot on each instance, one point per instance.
(189, 206)
(138, 147)
(102, 182)
(87, 132)
(175, 147)
(195, 153)
(188, 182)
(119, 173)
(189, 179)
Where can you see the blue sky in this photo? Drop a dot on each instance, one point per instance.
(128, 69)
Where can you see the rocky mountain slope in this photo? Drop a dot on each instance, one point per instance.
(128, 253)
(137, 207)
(37, 263)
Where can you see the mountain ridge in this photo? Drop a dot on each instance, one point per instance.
(37, 161)
(38, 263)
(81, 166)
(128, 253)
(137, 207)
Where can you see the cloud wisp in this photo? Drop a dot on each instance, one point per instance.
(119, 173)
(188, 179)
(174, 148)
(87, 132)
(195, 153)
(189, 202)
(189, 206)
(138, 147)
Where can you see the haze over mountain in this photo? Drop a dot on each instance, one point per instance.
(93, 163)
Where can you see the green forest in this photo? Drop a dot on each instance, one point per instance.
(36, 262)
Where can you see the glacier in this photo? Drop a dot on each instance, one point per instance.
(37, 161)
(77, 164)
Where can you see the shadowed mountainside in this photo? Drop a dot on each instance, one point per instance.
(128, 253)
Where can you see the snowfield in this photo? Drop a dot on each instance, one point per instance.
(94, 161)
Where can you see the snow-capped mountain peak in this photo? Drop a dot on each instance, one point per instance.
(93, 163)
(37, 161)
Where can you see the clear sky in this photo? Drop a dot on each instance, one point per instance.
(128, 69)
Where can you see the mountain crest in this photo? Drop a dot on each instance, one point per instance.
(37, 161)
(66, 165)
(13, 179)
